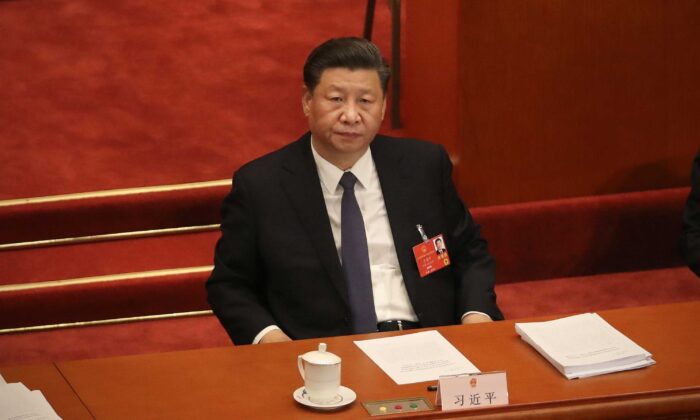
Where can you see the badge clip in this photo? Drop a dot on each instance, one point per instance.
(422, 233)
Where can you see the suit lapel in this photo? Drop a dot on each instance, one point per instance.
(396, 179)
(303, 188)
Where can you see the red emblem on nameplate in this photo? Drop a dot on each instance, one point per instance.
(431, 255)
(472, 382)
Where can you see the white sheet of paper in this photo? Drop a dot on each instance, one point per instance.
(2, 380)
(418, 357)
(18, 402)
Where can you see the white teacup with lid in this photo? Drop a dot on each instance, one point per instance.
(320, 371)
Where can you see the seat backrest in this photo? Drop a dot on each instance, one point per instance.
(584, 235)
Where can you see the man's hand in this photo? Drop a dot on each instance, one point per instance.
(475, 319)
(274, 336)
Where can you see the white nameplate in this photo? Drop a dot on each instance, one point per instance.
(476, 390)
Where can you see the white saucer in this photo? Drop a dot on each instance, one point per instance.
(345, 396)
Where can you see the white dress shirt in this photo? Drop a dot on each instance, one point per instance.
(390, 297)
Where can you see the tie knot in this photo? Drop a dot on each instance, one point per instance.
(348, 180)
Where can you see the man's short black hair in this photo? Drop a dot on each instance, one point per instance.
(351, 53)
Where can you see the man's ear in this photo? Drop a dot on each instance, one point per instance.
(383, 107)
(305, 100)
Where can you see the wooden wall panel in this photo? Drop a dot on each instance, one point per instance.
(429, 73)
(563, 98)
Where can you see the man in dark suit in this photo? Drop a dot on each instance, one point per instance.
(317, 237)
(690, 242)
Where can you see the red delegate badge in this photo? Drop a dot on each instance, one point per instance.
(431, 255)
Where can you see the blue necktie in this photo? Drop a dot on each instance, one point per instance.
(353, 248)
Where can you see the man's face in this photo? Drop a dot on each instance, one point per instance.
(345, 111)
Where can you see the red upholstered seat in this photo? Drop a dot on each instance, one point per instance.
(585, 235)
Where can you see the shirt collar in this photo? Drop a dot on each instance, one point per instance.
(330, 174)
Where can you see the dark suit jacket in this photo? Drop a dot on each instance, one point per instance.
(276, 261)
(690, 243)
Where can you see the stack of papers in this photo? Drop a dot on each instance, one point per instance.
(18, 402)
(584, 345)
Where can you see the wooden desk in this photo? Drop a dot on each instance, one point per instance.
(51, 383)
(258, 381)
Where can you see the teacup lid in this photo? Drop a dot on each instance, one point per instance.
(321, 357)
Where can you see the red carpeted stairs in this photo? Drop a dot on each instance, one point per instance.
(145, 292)
(109, 96)
(132, 275)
